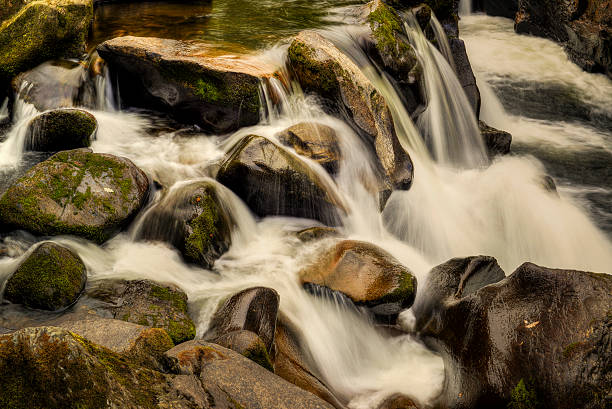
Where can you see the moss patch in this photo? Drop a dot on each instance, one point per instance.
(386, 25)
(61, 129)
(523, 397)
(313, 75)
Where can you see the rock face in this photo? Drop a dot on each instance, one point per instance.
(315, 141)
(36, 31)
(585, 28)
(218, 94)
(91, 195)
(322, 68)
(497, 142)
(61, 129)
(254, 309)
(191, 218)
(226, 373)
(487, 329)
(466, 77)
(272, 181)
(146, 303)
(500, 8)
(365, 273)
(51, 278)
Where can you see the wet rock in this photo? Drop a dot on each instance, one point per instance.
(315, 141)
(254, 309)
(48, 367)
(583, 27)
(548, 183)
(503, 8)
(294, 364)
(398, 401)
(249, 345)
(146, 303)
(497, 142)
(78, 192)
(557, 321)
(193, 219)
(51, 278)
(61, 129)
(272, 181)
(322, 68)
(248, 385)
(316, 233)
(443, 9)
(365, 273)
(36, 31)
(190, 83)
(466, 77)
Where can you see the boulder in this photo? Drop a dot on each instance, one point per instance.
(247, 344)
(61, 129)
(315, 141)
(322, 68)
(247, 384)
(365, 273)
(192, 218)
(316, 233)
(78, 192)
(51, 278)
(48, 367)
(398, 401)
(36, 31)
(497, 142)
(272, 181)
(187, 81)
(294, 364)
(538, 338)
(254, 309)
(584, 28)
(146, 303)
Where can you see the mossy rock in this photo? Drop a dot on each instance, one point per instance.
(42, 30)
(365, 273)
(248, 344)
(442, 8)
(77, 192)
(193, 219)
(51, 278)
(61, 129)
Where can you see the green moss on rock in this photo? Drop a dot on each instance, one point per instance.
(386, 25)
(61, 129)
(51, 278)
(523, 397)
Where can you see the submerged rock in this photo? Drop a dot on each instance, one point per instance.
(193, 219)
(249, 345)
(227, 373)
(273, 181)
(33, 32)
(497, 142)
(217, 93)
(51, 278)
(146, 303)
(61, 129)
(78, 192)
(315, 141)
(316, 233)
(519, 341)
(322, 68)
(254, 309)
(365, 273)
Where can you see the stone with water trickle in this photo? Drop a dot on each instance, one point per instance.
(273, 181)
(192, 218)
(497, 142)
(487, 327)
(365, 273)
(61, 129)
(192, 83)
(77, 192)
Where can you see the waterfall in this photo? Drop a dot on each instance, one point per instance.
(4, 112)
(442, 41)
(465, 7)
(11, 150)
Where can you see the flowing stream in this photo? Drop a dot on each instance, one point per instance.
(459, 204)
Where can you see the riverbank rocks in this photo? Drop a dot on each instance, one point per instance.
(51, 278)
(322, 68)
(365, 273)
(78, 192)
(254, 309)
(538, 338)
(36, 31)
(192, 218)
(146, 303)
(584, 28)
(218, 93)
(227, 373)
(272, 181)
(497, 142)
(61, 129)
(316, 141)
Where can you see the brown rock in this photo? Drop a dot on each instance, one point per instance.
(315, 141)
